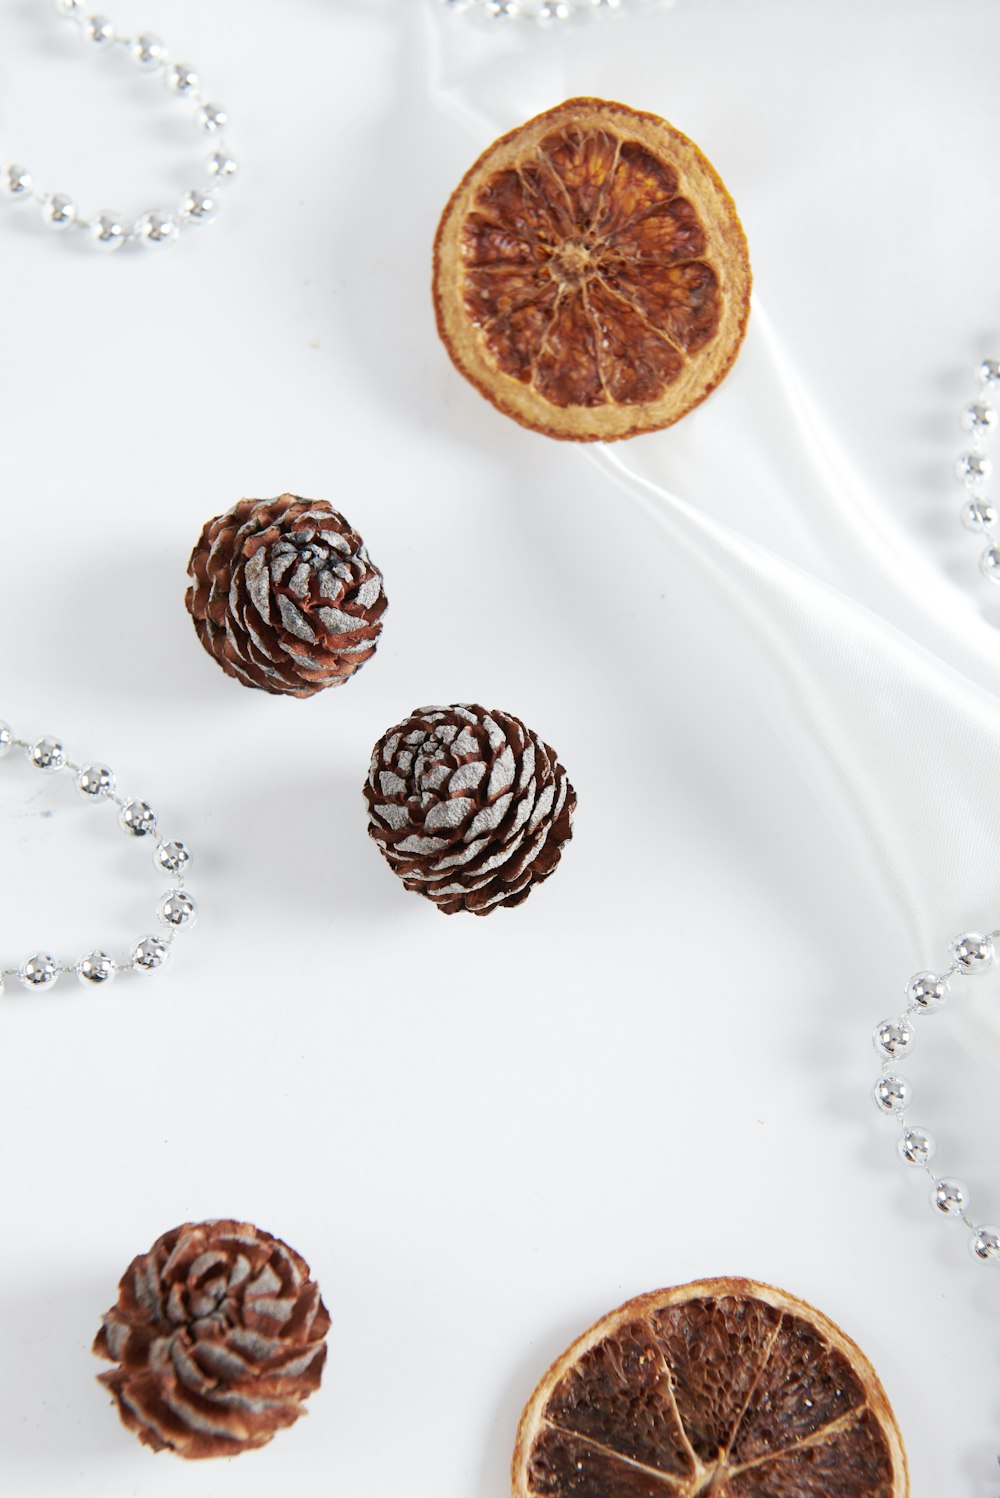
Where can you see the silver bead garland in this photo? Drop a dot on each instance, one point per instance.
(973, 467)
(541, 12)
(176, 910)
(158, 228)
(971, 953)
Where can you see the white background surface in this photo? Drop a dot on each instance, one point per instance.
(484, 1134)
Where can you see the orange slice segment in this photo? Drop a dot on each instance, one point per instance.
(720, 1389)
(591, 276)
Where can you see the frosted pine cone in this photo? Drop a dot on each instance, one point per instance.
(469, 807)
(284, 595)
(218, 1336)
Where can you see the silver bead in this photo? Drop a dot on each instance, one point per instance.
(181, 78)
(99, 30)
(198, 207)
(107, 232)
(988, 372)
(6, 739)
(917, 1147)
(457, 5)
(989, 563)
(978, 515)
(212, 118)
(973, 468)
(553, 10)
(94, 781)
(16, 182)
(984, 1245)
(502, 10)
(38, 972)
(71, 9)
(979, 417)
(893, 1038)
(47, 755)
(949, 1197)
(222, 167)
(148, 52)
(59, 212)
(156, 231)
(95, 969)
(927, 991)
(173, 858)
(973, 952)
(177, 910)
(138, 818)
(892, 1094)
(149, 953)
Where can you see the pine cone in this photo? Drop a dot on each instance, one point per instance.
(218, 1336)
(469, 807)
(284, 595)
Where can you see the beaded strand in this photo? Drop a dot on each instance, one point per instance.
(176, 910)
(972, 953)
(974, 466)
(157, 228)
(542, 12)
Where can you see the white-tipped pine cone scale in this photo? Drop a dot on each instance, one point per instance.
(468, 806)
(285, 596)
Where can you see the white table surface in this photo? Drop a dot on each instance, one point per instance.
(481, 1134)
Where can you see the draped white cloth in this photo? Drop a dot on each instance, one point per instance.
(887, 668)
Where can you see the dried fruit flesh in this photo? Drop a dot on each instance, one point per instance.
(720, 1389)
(591, 275)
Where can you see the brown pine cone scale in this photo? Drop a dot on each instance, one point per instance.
(469, 807)
(218, 1336)
(285, 596)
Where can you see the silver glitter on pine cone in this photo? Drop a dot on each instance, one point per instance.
(285, 596)
(469, 807)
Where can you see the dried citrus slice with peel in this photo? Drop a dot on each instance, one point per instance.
(590, 273)
(721, 1389)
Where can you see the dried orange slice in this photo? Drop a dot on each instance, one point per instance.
(721, 1389)
(590, 273)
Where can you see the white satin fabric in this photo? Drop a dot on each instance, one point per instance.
(885, 670)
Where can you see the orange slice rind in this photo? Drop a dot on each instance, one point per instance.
(724, 1388)
(591, 276)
